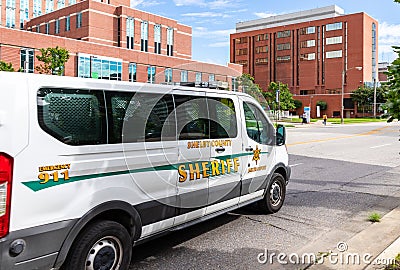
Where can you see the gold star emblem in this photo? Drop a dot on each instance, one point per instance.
(256, 156)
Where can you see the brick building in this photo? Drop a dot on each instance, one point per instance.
(309, 51)
(106, 40)
(382, 69)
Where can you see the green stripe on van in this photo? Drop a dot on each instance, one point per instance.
(35, 185)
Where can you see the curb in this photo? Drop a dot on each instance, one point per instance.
(379, 240)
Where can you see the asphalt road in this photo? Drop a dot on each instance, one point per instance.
(340, 175)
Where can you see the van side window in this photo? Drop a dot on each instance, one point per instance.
(257, 126)
(138, 117)
(222, 114)
(192, 117)
(72, 116)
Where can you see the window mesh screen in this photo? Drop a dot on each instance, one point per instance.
(71, 116)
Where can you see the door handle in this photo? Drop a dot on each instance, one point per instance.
(219, 150)
(249, 149)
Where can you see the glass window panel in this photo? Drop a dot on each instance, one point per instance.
(223, 123)
(74, 117)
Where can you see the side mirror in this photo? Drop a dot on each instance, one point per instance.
(280, 135)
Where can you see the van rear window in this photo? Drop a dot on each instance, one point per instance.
(72, 116)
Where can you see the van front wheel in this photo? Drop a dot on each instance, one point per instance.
(274, 195)
(103, 245)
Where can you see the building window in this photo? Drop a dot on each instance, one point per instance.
(184, 76)
(170, 41)
(334, 54)
(168, 75)
(37, 28)
(132, 72)
(333, 91)
(262, 37)
(242, 62)
(157, 38)
(374, 51)
(130, 32)
(234, 84)
(71, 2)
(333, 26)
(307, 92)
(151, 74)
(27, 60)
(307, 56)
(307, 43)
(37, 8)
(98, 67)
(57, 26)
(307, 30)
(262, 49)
(283, 34)
(47, 28)
(283, 46)
(49, 6)
(144, 36)
(261, 61)
(67, 23)
(333, 40)
(241, 40)
(60, 4)
(79, 20)
(211, 78)
(241, 51)
(10, 13)
(24, 12)
(284, 58)
(198, 77)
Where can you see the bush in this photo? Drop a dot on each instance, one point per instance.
(322, 105)
(298, 104)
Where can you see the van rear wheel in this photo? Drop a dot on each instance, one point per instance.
(274, 195)
(103, 245)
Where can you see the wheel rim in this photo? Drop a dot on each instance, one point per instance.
(275, 193)
(105, 254)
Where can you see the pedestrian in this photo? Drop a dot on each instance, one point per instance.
(325, 117)
(304, 119)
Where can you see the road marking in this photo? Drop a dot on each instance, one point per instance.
(371, 132)
(378, 146)
(294, 165)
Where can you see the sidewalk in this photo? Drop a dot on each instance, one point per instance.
(375, 246)
(319, 123)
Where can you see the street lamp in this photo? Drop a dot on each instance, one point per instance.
(343, 74)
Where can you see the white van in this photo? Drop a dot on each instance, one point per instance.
(89, 168)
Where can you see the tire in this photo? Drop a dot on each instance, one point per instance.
(274, 195)
(103, 245)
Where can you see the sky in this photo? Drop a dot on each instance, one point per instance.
(213, 21)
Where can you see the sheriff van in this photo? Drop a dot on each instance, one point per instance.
(90, 168)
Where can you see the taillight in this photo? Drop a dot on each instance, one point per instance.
(6, 169)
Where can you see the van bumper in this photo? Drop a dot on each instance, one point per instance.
(41, 245)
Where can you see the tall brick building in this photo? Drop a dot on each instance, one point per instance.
(106, 40)
(309, 51)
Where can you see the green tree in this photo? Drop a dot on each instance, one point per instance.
(53, 60)
(6, 66)
(393, 84)
(322, 105)
(246, 82)
(363, 96)
(286, 101)
(298, 104)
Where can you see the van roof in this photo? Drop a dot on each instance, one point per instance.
(42, 80)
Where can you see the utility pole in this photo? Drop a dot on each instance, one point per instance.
(374, 97)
